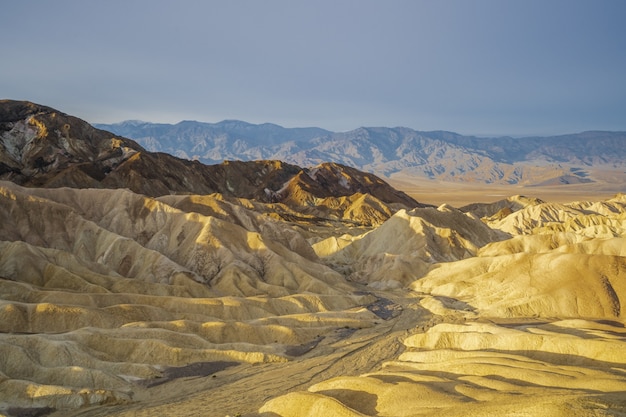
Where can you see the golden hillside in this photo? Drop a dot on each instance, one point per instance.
(133, 305)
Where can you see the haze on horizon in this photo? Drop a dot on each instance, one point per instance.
(483, 67)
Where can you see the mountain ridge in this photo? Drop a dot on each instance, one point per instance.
(43, 147)
(439, 155)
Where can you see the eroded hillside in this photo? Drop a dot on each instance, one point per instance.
(109, 287)
(138, 284)
(530, 324)
(108, 296)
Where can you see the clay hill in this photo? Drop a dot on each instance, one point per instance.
(329, 294)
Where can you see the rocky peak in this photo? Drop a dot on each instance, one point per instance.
(37, 143)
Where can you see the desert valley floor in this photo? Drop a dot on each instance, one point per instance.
(118, 304)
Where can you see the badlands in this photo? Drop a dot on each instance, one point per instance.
(275, 291)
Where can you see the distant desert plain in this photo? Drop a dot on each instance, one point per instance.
(135, 283)
(458, 194)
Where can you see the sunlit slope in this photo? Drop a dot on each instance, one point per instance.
(407, 245)
(103, 291)
(533, 325)
(534, 285)
(566, 261)
(567, 368)
(594, 219)
(104, 287)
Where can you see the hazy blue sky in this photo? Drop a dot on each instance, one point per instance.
(470, 66)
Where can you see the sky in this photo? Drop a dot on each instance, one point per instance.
(481, 67)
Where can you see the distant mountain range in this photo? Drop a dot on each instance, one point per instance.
(565, 159)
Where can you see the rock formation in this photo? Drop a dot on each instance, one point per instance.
(42, 147)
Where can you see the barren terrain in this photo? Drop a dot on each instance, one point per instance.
(114, 303)
(139, 284)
